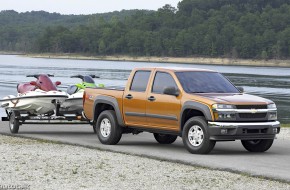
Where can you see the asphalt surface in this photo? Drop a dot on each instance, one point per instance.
(228, 156)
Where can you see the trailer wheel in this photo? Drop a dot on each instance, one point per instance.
(260, 145)
(14, 122)
(108, 130)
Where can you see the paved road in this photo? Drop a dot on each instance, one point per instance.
(230, 156)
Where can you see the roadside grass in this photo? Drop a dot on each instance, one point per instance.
(285, 124)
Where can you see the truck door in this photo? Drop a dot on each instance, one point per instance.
(162, 110)
(134, 100)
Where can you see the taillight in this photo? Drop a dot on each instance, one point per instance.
(84, 98)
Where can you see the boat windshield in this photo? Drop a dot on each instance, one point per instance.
(88, 79)
(205, 82)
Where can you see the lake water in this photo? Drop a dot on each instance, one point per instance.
(268, 82)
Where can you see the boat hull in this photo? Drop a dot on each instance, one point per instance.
(34, 102)
(73, 104)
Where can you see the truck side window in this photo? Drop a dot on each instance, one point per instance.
(140, 81)
(161, 81)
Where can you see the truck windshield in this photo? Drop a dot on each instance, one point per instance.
(205, 82)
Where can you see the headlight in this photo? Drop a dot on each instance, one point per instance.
(222, 106)
(272, 115)
(225, 116)
(272, 106)
(224, 112)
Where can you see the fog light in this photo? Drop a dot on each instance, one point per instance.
(224, 131)
(275, 130)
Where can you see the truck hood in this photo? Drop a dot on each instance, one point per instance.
(235, 99)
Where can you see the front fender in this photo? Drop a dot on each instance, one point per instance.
(196, 106)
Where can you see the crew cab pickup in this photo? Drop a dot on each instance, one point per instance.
(201, 106)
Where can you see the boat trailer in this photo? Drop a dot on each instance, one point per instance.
(16, 119)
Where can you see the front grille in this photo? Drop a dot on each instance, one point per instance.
(251, 106)
(252, 115)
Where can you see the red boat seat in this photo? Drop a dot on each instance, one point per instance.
(25, 87)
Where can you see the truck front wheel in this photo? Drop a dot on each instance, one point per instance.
(107, 128)
(260, 145)
(165, 139)
(195, 136)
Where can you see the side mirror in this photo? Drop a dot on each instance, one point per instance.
(171, 90)
(241, 89)
(57, 83)
(33, 83)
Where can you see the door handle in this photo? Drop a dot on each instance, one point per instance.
(129, 96)
(151, 98)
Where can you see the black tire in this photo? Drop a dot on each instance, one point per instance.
(202, 144)
(110, 133)
(165, 139)
(259, 145)
(14, 122)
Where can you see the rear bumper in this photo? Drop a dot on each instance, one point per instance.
(243, 131)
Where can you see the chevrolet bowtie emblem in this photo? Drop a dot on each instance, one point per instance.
(254, 111)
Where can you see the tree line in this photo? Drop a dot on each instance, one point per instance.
(213, 28)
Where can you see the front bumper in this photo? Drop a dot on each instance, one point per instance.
(243, 131)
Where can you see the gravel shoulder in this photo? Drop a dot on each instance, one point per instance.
(44, 165)
(284, 133)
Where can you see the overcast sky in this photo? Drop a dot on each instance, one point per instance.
(82, 6)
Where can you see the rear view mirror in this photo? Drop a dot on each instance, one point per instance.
(171, 90)
(57, 83)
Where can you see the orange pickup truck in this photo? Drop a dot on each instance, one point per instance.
(201, 106)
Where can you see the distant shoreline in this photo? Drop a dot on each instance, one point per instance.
(187, 60)
(11, 53)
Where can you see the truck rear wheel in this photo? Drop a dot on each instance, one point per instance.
(14, 122)
(165, 139)
(260, 145)
(195, 136)
(107, 128)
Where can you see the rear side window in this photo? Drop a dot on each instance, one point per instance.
(140, 81)
(161, 81)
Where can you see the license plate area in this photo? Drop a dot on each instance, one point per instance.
(255, 131)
